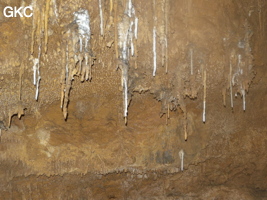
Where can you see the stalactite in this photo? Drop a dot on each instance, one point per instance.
(135, 54)
(241, 63)
(131, 37)
(55, 9)
(154, 51)
(127, 49)
(111, 6)
(21, 71)
(17, 109)
(154, 36)
(130, 8)
(185, 127)
(39, 30)
(88, 71)
(101, 18)
(191, 62)
(116, 29)
(46, 23)
(39, 74)
(204, 98)
(125, 92)
(37, 86)
(78, 62)
(231, 87)
(224, 96)
(36, 73)
(166, 33)
(162, 41)
(65, 75)
(243, 93)
(34, 68)
(181, 155)
(168, 114)
(136, 28)
(33, 33)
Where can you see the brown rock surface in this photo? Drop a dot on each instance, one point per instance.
(93, 154)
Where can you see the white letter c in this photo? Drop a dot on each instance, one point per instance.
(24, 11)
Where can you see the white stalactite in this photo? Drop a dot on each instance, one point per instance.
(82, 19)
(37, 87)
(181, 155)
(191, 61)
(67, 63)
(37, 70)
(130, 5)
(125, 96)
(124, 51)
(132, 48)
(101, 18)
(244, 98)
(55, 8)
(34, 68)
(154, 51)
(136, 28)
(204, 99)
(204, 111)
(231, 88)
(81, 43)
(126, 35)
(87, 75)
(239, 63)
(130, 35)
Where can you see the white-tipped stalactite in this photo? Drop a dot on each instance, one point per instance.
(154, 51)
(127, 31)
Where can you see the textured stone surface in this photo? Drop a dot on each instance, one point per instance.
(92, 154)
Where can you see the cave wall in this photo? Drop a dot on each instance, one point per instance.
(208, 53)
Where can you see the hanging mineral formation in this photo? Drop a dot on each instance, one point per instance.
(191, 62)
(136, 28)
(204, 98)
(36, 73)
(125, 45)
(39, 23)
(77, 51)
(154, 51)
(241, 64)
(181, 155)
(101, 17)
(46, 23)
(231, 87)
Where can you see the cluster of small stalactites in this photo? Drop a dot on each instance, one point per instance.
(78, 61)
